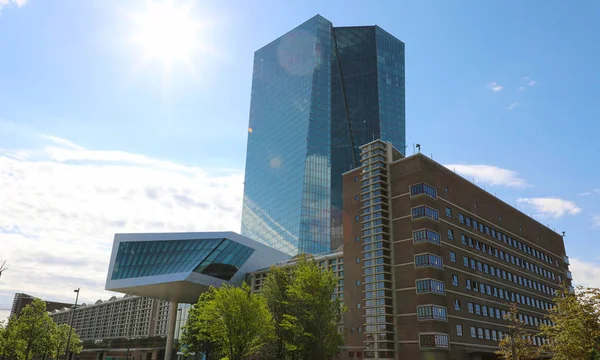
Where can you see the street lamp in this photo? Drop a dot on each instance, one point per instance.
(71, 325)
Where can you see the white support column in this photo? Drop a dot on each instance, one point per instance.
(171, 330)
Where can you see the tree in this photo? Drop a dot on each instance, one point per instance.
(275, 291)
(36, 329)
(11, 347)
(233, 318)
(574, 331)
(515, 345)
(3, 268)
(60, 336)
(306, 313)
(196, 337)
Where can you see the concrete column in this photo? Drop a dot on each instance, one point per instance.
(171, 330)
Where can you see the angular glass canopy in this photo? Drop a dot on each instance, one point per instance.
(220, 258)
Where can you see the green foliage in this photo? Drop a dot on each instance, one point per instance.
(515, 339)
(35, 327)
(11, 346)
(196, 337)
(306, 317)
(576, 330)
(34, 334)
(275, 292)
(238, 321)
(60, 338)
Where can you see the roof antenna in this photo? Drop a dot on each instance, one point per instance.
(419, 147)
(563, 234)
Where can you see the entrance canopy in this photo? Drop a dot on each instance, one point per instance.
(178, 267)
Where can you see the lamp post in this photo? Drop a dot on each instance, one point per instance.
(71, 325)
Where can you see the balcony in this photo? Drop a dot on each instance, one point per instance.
(566, 260)
(569, 275)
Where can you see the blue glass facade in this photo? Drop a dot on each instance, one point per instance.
(318, 94)
(220, 258)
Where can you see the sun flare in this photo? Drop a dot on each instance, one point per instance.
(167, 32)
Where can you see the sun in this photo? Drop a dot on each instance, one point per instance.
(167, 32)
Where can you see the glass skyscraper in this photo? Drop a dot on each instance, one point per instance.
(318, 93)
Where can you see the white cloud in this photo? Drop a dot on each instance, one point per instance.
(551, 206)
(18, 3)
(593, 192)
(513, 105)
(490, 175)
(494, 86)
(585, 273)
(521, 88)
(62, 206)
(528, 81)
(596, 220)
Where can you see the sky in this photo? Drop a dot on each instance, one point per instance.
(108, 125)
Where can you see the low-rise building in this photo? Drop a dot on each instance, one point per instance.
(22, 300)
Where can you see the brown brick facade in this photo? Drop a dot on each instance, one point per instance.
(535, 254)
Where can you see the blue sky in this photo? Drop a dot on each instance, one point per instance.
(123, 145)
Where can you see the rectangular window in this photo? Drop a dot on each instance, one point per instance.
(452, 256)
(468, 284)
(431, 312)
(461, 218)
(487, 334)
(463, 239)
(480, 333)
(423, 189)
(426, 235)
(456, 304)
(455, 280)
(430, 286)
(437, 341)
(459, 330)
(448, 212)
(477, 309)
(431, 260)
(470, 307)
(423, 211)
(465, 261)
(473, 332)
(468, 221)
(450, 234)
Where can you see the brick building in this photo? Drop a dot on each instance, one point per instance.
(433, 261)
